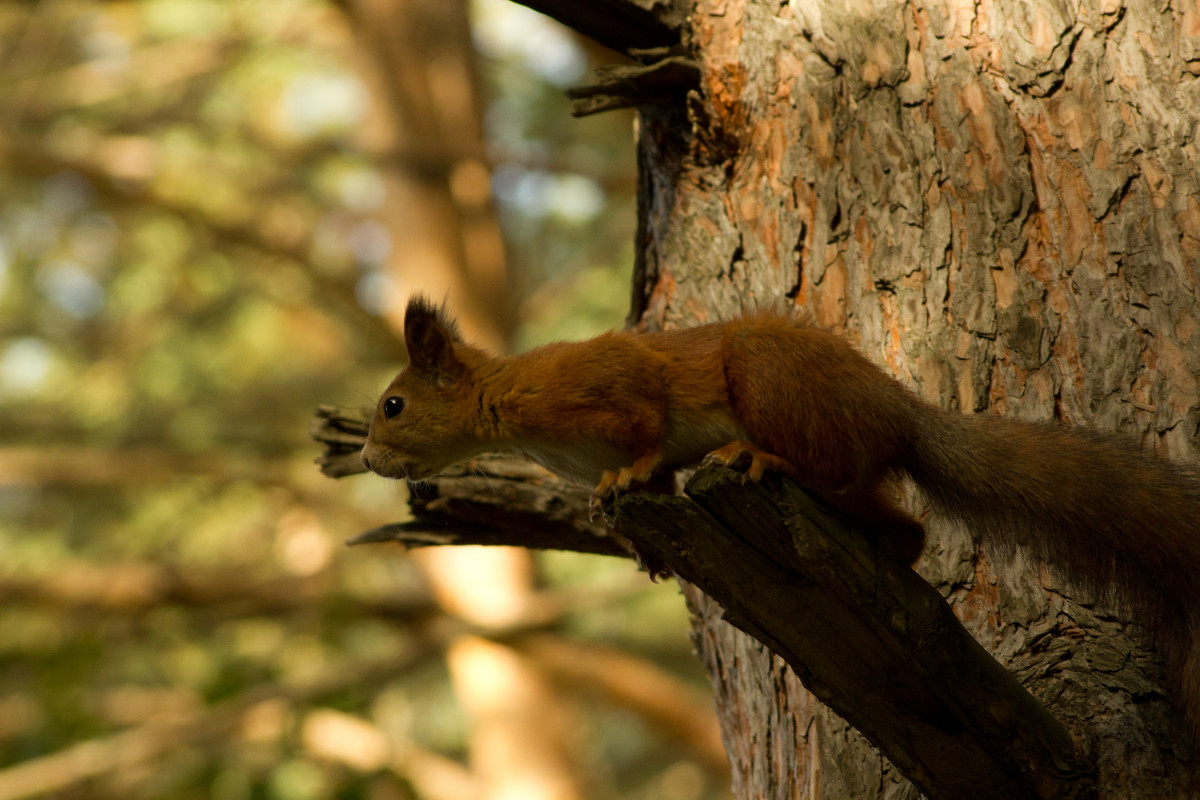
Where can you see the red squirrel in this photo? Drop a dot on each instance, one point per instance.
(625, 408)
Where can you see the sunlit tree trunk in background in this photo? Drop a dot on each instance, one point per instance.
(425, 129)
(998, 202)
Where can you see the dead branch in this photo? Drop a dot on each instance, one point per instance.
(491, 500)
(667, 79)
(619, 24)
(866, 635)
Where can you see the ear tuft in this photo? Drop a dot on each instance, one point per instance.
(429, 334)
(422, 310)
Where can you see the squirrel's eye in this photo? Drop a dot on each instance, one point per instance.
(393, 406)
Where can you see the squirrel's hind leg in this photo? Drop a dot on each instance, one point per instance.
(895, 531)
(735, 455)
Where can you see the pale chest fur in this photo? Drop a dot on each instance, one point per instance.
(688, 439)
(581, 460)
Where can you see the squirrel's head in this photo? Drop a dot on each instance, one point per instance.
(426, 419)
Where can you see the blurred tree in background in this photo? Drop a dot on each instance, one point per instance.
(210, 214)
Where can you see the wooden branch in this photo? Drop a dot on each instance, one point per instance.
(343, 431)
(867, 636)
(497, 501)
(626, 86)
(619, 24)
(491, 500)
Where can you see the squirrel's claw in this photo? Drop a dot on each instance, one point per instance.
(595, 507)
(752, 462)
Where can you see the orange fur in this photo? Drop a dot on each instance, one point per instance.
(624, 409)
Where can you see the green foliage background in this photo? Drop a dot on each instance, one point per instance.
(189, 253)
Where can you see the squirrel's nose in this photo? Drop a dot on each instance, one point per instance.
(365, 461)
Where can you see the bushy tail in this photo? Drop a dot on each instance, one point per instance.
(1090, 505)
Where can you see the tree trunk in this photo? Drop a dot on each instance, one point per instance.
(998, 203)
(425, 129)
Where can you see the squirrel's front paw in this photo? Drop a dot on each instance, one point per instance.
(608, 488)
(614, 483)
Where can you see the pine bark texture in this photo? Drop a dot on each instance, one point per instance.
(998, 202)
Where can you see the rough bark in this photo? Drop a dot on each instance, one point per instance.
(997, 201)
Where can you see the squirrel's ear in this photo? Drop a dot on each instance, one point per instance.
(429, 335)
